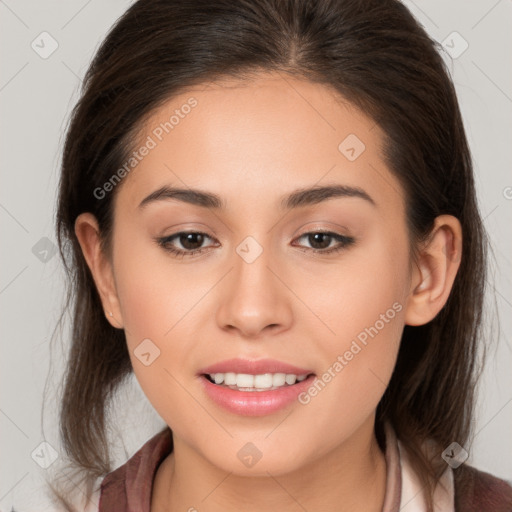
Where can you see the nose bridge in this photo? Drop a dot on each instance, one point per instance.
(253, 298)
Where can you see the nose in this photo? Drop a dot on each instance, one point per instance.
(254, 299)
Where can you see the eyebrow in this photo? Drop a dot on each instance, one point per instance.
(296, 199)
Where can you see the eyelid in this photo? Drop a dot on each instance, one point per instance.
(323, 226)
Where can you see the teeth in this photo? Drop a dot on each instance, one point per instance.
(247, 382)
(228, 378)
(278, 379)
(218, 378)
(290, 379)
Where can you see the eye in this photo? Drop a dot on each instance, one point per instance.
(191, 242)
(321, 241)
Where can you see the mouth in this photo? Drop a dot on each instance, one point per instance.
(254, 387)
(255, 383)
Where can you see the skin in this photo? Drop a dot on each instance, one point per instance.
(251, 143)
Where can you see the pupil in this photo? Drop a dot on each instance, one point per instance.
(188, 239)
(317, 236)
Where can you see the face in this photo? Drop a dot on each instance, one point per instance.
(255, 279)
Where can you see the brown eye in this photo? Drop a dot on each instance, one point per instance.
(321, 241)
(190, 242)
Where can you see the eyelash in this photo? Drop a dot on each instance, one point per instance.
(164, 242)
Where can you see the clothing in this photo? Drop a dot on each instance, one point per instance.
(128, 488)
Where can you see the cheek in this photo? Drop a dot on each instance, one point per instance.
(155, 311)
(159, 306)
(351, 294)
(356, 372)
(364, 307)
(153, 292)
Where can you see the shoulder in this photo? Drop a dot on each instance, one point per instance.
(477, 491)
(129, 487)
(461, 489)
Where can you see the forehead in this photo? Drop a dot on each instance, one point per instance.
(265, 135)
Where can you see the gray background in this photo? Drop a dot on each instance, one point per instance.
(36, 96)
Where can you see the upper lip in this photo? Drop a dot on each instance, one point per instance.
(251, 367)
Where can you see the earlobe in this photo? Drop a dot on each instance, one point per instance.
(88, 234)
(435, 272)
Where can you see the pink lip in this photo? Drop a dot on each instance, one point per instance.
(254, 403)
(258, 367)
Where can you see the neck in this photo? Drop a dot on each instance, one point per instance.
(352, 477)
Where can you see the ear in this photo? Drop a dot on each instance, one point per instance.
(435, 271)
(88, 234)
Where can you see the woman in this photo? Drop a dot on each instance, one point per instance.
(272, 222)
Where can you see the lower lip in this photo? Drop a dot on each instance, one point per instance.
(255, 403)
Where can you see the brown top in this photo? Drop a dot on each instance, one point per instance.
(129, 487)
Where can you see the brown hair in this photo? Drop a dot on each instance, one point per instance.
(376, 55)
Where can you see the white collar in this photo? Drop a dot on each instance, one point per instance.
(413, 496)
